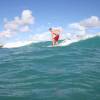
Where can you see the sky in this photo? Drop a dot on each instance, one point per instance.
(21, 19)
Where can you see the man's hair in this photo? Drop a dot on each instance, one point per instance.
(50, 29)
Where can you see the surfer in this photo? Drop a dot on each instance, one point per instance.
(55, 36)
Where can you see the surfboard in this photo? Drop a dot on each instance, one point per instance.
(54, 45)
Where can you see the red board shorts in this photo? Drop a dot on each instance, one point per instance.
(56, 38)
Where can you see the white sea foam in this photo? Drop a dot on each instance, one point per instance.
(17, 44)
(46, 37)
(76, 38)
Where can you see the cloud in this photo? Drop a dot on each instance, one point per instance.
(19, 24)
(89, 23)
(27, 17)
(77, 26)
(5, 34)
(45, 36)
(25, 29)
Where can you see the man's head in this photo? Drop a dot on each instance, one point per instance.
(50, 29)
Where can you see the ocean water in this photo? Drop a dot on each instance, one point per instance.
(39, 72)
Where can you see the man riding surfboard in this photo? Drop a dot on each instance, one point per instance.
(55, 36)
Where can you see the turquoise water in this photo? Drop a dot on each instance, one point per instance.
(39, 72)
